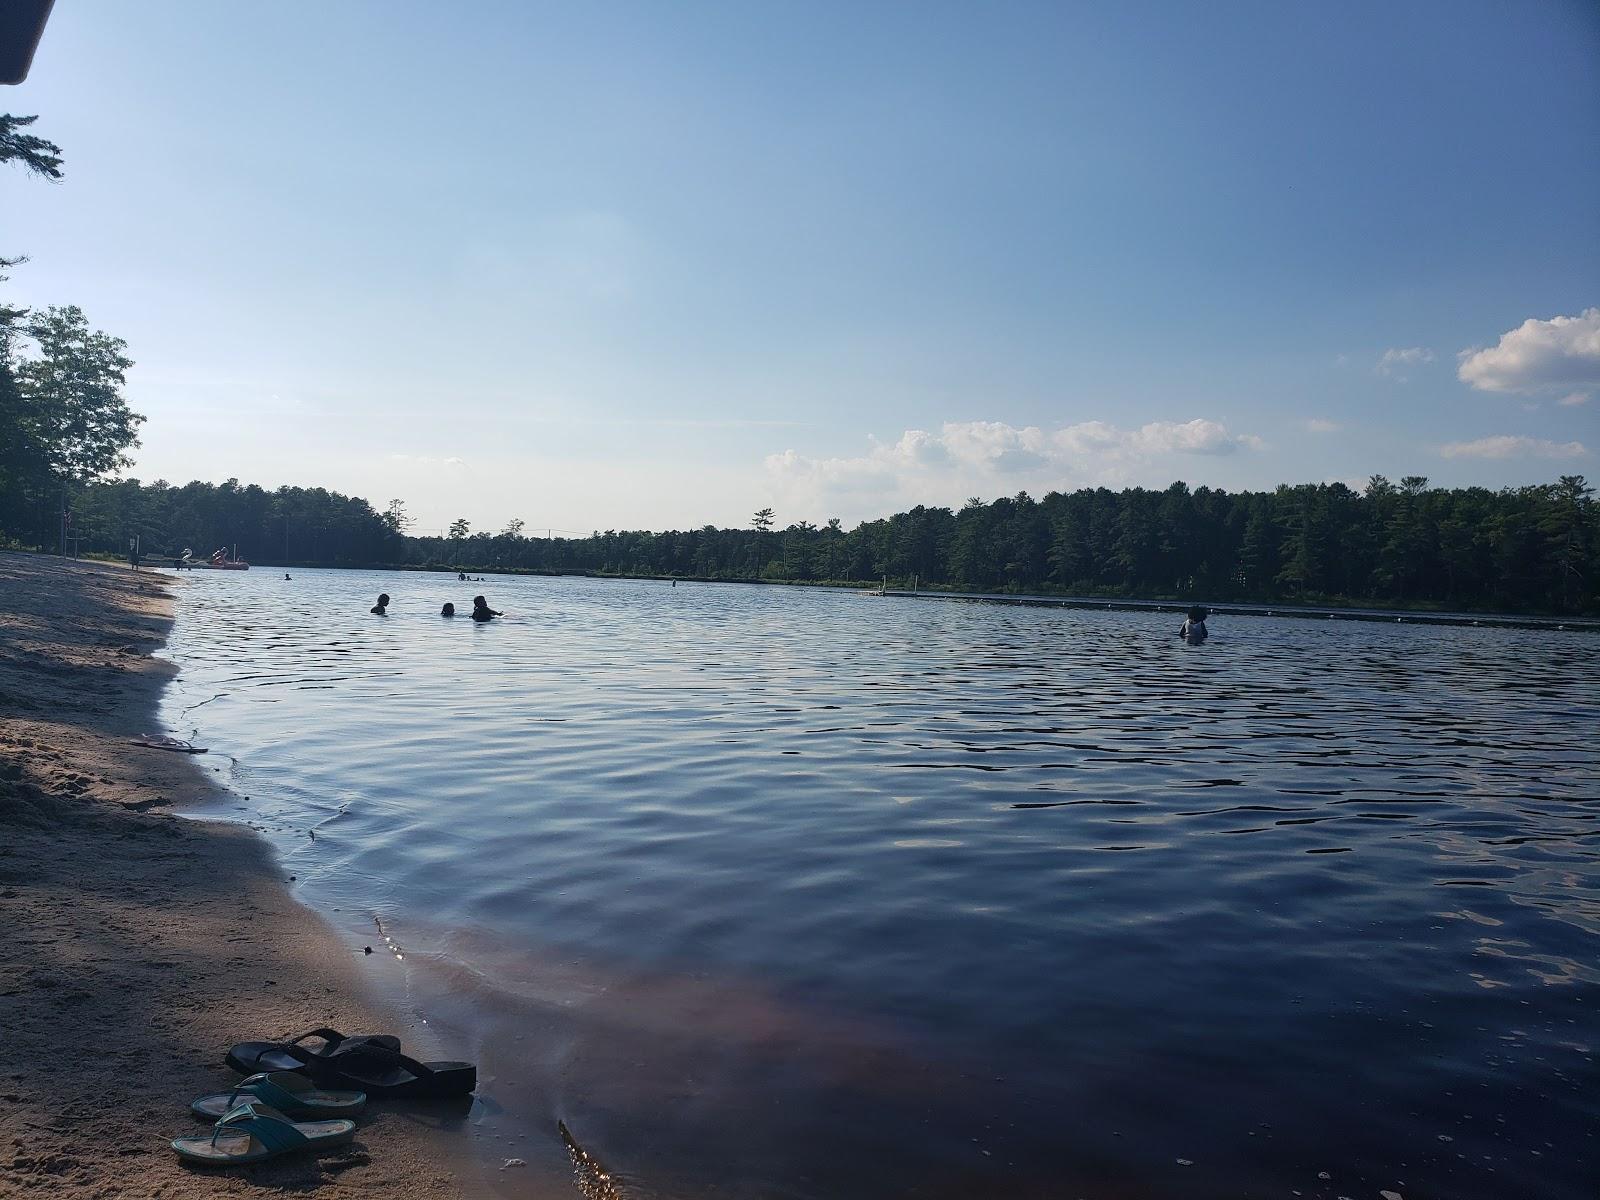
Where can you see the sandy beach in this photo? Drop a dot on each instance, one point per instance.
(137, 945)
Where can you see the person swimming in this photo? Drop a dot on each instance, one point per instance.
(481, 610)
(449, 610)
(462, 576)
(1194, 629)
(381, 608)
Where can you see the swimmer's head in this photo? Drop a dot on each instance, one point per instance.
(449, 610)
(1198, 614)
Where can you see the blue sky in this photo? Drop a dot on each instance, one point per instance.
(659, 265)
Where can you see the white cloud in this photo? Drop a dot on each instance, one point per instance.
(1322, 425)
(1191, 437)
(1538, 355)
(1573, 399)
(1397, 363)
(986, 458)
(1508, 446)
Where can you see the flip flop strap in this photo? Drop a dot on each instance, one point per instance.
(262, 1088)
(272, 1133)
(383, 1056)
(353, 1049)
(299, 1053)
(332, 1036)
(336, 1042)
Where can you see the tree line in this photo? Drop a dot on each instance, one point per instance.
(293, 525)
(1525, 549)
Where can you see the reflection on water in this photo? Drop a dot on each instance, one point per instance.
(776, 892)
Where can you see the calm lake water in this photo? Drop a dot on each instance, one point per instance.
(774, 892)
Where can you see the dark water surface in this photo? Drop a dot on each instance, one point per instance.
(791, 893)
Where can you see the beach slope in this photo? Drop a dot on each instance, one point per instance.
(136, 946)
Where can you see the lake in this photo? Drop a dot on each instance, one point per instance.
(785, 892)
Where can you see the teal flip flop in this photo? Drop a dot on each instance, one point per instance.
(290, 1093)
(255, 1132)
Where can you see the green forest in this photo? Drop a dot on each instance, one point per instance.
(1526, 550)
(66, 429)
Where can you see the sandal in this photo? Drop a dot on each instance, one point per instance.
(383, 1073)
(291, 1094)
(254, 1132)
(251, 1058)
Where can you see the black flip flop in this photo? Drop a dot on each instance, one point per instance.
(387, 1074)
(250, 1058)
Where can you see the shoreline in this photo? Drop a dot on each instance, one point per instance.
(139, 944)
(1306, 612)
(1341, 607)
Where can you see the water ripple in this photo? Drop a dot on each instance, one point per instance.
(797, 893)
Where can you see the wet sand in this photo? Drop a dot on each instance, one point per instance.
(136, 946)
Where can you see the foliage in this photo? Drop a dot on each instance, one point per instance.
(395, 518)
(289, 525)
(63, 418)
(73, 388)
(1524, 549)
(37, 156)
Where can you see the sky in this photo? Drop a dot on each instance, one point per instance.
(660, 265)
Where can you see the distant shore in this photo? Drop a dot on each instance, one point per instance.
(897, 586)
(1306, 612)
(138, 945)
